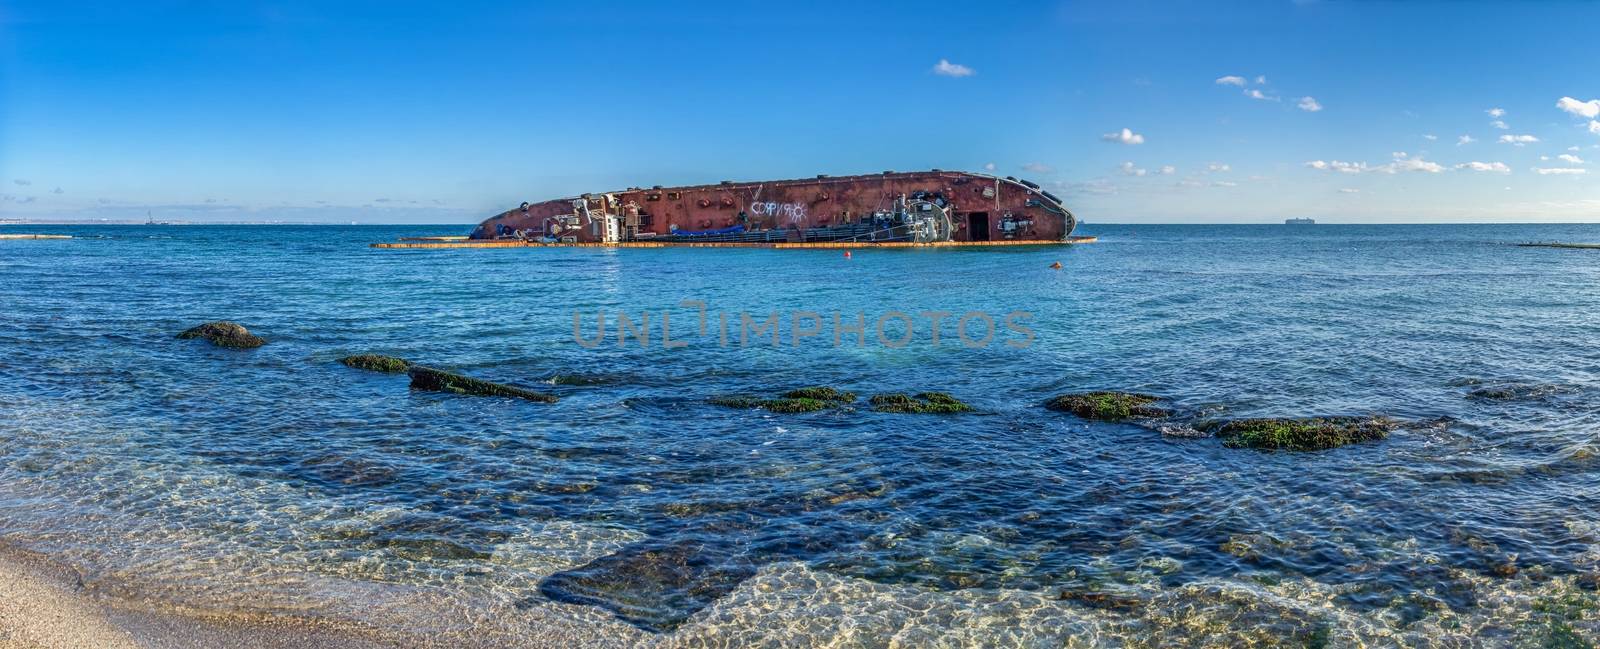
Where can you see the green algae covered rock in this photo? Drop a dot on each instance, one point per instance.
(820, 393)
(1304, 434)
(225, 334)
(427, 378)
(922, 403)
(809, 399)
(376, 363)
(1109, 406)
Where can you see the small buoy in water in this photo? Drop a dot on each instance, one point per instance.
(1056, 265)
(847, 254)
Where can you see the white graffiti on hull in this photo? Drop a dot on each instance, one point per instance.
(795, 212)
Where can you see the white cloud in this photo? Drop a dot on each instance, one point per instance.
(1465, 139)
(1589, 109)
(1559, 171)
(1518, 140)
(988, 167)
(1037, 167)
(1309, 104)
(1190, 182)
(1257, 94)
(1129, 170)
(1125, 136)
(1497, 113)
(1402, 162)
(1217, 167)
(1230, 80)
(1341, 167)
(1570, 159)
(1223, 183)
(1500, 125)
(1497, 167)
(1429, 136)
(1349, 190)
(948, 69)
(1168, 170)
(1261, 79)
(1572, 148)
(1594, 127)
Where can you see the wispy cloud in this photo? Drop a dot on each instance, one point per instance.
(1349, 190)
(1257, 94)
(945, 68)
(1037, 167)
(1309, 104)
(1559, 171)
(1402, 162)
(1217, 167)
(1518, 140)
(1128, 169)
(1261, 79)
(1500, 124)
(988, 167)
(1465, 139)
(1224, 183)
(1496, 167)
(1125, 136)
(1168, 170)
(22, 182)
(1429, 137)
(1496, 113)
(1570, 159)
(1231, 80)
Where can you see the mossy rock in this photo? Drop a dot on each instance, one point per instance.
(426, 378)
(922, 403)
(1305, 434)
(785, 405)
(376, 363)
(225, 334)
(809, 399)
(820, 393)
(1109, 406)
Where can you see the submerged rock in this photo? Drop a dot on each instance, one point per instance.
(653, 586)
(1306, 434)
(376, 363)
(225, 334)
(1109, 406)
(427, 378)
(794, 401)
(923, 402)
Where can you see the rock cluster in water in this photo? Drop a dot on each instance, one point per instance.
(809, 399)
(427, 378)
(1286, 434)
(225, 334)
(1302, 434)
(923, 402)
(377, 363)
(1109, 406)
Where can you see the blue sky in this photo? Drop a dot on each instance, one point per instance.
(387, 112)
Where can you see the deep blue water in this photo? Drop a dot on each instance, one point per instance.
(187, 473)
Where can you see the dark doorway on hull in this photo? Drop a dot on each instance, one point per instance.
(978, 226)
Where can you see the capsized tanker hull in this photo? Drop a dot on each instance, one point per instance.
(925, 207)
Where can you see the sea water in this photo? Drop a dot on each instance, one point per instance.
(633, 511)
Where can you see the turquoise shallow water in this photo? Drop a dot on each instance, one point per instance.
(278, 480)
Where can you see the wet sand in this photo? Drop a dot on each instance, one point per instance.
(44, 604)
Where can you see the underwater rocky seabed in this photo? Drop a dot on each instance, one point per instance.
(633, 511)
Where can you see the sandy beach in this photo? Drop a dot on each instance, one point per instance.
(44, 605)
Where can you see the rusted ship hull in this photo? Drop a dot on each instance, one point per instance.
(919, 207)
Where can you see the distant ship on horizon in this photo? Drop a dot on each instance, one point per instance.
(1301, 221)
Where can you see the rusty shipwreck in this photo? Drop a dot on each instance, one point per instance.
(925, 207)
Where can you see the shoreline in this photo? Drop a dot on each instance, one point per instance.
(44, 604)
